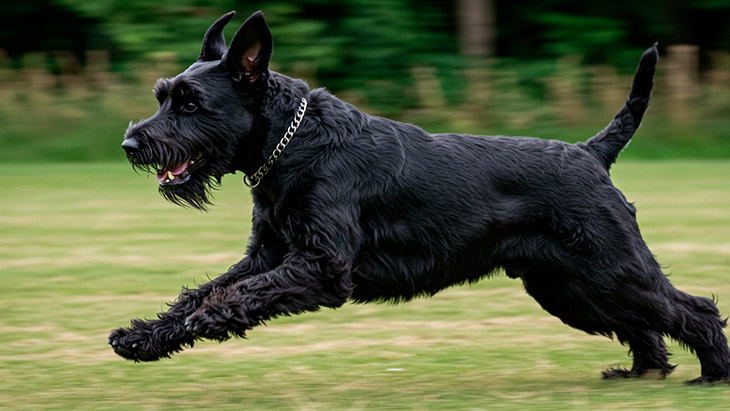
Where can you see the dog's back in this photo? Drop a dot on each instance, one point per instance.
(443, 209)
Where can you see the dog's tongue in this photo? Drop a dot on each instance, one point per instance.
(162, 175)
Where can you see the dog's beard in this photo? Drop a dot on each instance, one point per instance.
(193, 187)
(195, 192)
(182, 181)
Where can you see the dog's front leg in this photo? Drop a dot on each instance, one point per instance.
(305, 281)
(149, 340)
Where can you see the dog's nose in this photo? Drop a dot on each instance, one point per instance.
(130, 145)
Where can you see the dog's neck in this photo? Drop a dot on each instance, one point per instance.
(276, 108)
(254, 179)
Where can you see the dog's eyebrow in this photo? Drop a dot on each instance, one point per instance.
(187, 87)
(179, 88)
(184, 87)
(162, 89)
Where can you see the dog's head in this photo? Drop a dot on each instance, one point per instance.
(208, 115)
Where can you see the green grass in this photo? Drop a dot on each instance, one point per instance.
(84, 248)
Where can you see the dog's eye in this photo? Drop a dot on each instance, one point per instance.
(190, 107)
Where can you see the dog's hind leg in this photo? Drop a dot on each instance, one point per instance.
(562, 295)
(572, 298)
(696, 323)
(649, 303)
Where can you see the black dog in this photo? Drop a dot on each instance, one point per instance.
(349, 206)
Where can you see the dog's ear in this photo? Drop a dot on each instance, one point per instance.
(250, 51)
(214, 44)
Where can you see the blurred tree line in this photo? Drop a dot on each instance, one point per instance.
(406, 59)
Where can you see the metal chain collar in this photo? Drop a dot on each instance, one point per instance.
(256, 178)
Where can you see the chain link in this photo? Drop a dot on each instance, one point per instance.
(255, 179)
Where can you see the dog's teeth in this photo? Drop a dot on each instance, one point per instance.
(170, 176)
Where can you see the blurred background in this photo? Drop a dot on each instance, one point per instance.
(73, 73)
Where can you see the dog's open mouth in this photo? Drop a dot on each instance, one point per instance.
(177, 173)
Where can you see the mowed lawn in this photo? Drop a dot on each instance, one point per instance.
(84, 248)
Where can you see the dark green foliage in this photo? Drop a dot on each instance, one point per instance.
(398, 58)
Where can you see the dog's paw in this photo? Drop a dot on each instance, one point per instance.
(619, 374)
(623, 373)
(130, 345)
(705, 380)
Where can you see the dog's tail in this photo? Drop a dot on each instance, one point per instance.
(607, 144)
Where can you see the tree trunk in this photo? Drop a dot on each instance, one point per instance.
(477, 27)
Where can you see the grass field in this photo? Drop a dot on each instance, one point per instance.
(84, 248)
